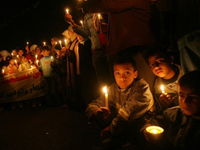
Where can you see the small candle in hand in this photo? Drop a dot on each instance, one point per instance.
(155, 133)
(106, 96)
(162, 89)
(81, 23)
(67, 11)
(3, 71)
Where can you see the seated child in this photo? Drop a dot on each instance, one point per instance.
(24, 65)
(167, 74)
(182, 124)
(129, 99)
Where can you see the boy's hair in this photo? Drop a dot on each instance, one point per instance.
(46, 47)
(124, 59)
(158, 51)
(191, 80)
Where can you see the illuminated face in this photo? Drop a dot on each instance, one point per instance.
(189, 101)
(20, 52)
(14, 53)
(45, 53)
(124, 75)
(12, 61)
(24, 59)
(161, 67)
(38, 50)
(70, 33)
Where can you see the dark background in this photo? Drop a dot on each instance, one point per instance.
(33, 21)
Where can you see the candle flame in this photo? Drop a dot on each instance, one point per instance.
(65, 41)
(162, 88)
(55, 42)
(67, 10)
(99, 16)
(27, 43)
(51, 57)
(60, 42)
(105, 89)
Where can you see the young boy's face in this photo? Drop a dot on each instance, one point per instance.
(161, 67)
(45, 53)
(20, 52)
(189, 101)
(24, 59)
(124, 75)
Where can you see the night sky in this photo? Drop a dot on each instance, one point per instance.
(34, 21)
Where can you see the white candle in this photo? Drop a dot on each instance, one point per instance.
(44, 43)
(65, 41)
(67, 11)
(51, 57)
(81, 23)
(27, 43)
(17, 56)
(12, 54)
(15, 61)
(36, 56)
(106, 96)
(162, 89)
(3, 71)
(99, 16)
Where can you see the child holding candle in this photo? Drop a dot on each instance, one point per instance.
(167, 74)
(129, 100)
(182, 124)
(46, 66)
(24, 65)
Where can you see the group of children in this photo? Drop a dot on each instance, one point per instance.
(173, 104)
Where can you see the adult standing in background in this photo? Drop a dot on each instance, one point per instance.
(99, 58)
(129, 29)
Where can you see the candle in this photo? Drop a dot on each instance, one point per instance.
(15, 61)
(65, 41)
(155, 133)
(51, 57)
(81, 23)
(56, 43)
(27, 43)
(106, 96)
(154, 129)
(12, 54)
(17, 56)
(60, 44)
(37, 62)
(36, 56)
(44, 43)
(99, 16)
(3, 71)
(67, 11)
(162, 89)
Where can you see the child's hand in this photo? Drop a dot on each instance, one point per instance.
(102, 113)
(166, 100)
(105, 133)
(68, 18)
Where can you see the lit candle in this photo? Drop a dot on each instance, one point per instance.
(106, 96)
(67, 11)
(162, 89)
(15, 61)
(60, 44)
(3, 71)
(154, 132)
(37, 62)
(27, 43)
(36, 56)
(99, 16)
(65, 41)
(51, 57)
(12, 54)
(17, 56)
(81, 22)
(44, 43)
(56, 43)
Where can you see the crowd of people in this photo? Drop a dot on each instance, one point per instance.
(145, 84)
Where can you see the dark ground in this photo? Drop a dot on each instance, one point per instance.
(47, 128)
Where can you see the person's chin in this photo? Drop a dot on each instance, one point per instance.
(187, 111)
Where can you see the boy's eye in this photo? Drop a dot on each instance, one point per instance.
(127, 72)
(116, 73)
(181, 95)
(151, 65)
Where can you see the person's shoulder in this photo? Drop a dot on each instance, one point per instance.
(141, 83)
(172, 113)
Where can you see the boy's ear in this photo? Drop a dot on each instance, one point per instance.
(172, 59)
(136, 74)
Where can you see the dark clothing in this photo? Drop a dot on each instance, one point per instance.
(129, 22)
(181, 132)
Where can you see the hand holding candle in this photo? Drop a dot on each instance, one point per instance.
(106, 96)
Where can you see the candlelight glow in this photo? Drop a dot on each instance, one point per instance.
(56, 43)
(81, 21)
(17, 55)
(65, 41)
(35, 56)
(15, 61)
(105, 90)
(44, 43)
(99, 16)
(154, 129)
(3, 71)
(51, 57)
(12, 54)
(27, 43)
(67, 10)
(162, 89)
